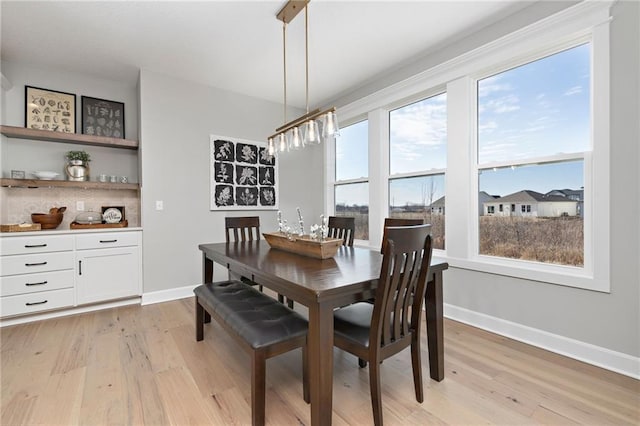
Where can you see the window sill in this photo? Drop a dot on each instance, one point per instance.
(549, 274)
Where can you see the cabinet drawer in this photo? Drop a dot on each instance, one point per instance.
(32, 263)
(36, 302)
(36, 244)
(32, 283)
(106, 240)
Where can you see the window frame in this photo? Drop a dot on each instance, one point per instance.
(583, 22)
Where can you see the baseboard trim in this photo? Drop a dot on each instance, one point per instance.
(586, 352)
(66, 312)
(167, 295)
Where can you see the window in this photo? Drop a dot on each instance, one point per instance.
(521, 123)
(417, 161)
(533, 130)
(351, 191)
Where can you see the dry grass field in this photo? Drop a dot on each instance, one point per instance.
(549, 240)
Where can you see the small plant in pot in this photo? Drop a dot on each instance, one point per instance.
(77, 168)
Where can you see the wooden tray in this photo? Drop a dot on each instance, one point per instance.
(14, 227)
(76, 225)
(304, 245)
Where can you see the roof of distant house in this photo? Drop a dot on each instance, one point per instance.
(528, 196)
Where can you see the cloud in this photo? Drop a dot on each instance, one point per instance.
(573, 91)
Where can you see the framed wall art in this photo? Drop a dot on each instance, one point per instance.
(243, 175)
(101, 117)
(50, 110)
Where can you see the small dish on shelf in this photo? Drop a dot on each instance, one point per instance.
(43, 175)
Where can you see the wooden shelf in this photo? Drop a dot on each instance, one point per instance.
(38, 183)
(51, 136)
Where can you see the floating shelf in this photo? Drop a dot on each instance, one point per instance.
(38, 183)
(75, 138)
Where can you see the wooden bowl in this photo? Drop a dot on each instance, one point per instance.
(47, 220)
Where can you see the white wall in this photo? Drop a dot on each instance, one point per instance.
(610, 321)
(176, 120)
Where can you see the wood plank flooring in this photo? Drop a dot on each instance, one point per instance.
(142, 365)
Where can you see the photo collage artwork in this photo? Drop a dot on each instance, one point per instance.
(243, 175)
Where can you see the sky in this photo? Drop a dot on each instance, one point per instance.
(536, 110)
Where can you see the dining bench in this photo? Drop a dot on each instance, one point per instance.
(261, 325)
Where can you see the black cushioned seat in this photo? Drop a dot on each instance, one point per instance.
(261, 325)
(255, 317)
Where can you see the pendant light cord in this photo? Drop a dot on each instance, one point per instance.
(306, 52)
(284, 62)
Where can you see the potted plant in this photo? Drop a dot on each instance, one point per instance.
(77, 168)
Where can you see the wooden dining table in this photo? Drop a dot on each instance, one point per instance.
(322, 285)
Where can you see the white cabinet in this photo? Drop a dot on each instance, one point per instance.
(47, 271)
(36, 274)
(108, 266)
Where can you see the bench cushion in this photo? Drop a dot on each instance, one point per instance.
(259, 319)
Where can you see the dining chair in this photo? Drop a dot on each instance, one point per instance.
(245, 228)
(374, 332)
(342, 227)
(394, 221)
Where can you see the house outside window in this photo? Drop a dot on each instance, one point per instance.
(533, 131)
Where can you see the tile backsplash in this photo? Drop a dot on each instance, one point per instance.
(19, 203)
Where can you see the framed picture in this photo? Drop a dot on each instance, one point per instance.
(101, 117)
(50, 110)
(113, 214)
(243, 175)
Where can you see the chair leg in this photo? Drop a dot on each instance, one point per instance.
(199, 321)
(258, 388)
(305, 375)
(290, 303)
(362, 363)
(280, 298)
(207, 317)
(417, 369)
(375, 389)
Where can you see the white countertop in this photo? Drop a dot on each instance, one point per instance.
(67, 231)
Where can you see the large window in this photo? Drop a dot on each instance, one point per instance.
(351, 191)
(533, 130)
(511, 146)
(417, 160)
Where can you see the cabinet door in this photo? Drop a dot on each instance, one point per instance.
(107, 274)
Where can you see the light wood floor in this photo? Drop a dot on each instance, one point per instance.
(142, 365)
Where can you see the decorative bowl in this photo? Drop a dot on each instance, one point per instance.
(44, 175)
(47, 220)
(89, 218)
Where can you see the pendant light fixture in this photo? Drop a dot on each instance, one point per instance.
(314, 126)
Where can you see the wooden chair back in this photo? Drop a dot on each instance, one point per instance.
(342, 227)
(392, 221)
(242, 228)
(401, 289)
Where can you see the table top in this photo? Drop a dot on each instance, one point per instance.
(352, 271)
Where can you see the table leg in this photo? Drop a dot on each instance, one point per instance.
(207, 269)
(435, 326)
(320, 352)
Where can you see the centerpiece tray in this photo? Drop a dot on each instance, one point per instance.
(304, 245)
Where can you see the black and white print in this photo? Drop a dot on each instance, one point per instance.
(243, 175)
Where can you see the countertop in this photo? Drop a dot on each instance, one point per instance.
(67, 231)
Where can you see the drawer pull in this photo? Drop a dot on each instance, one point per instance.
(40, 283)
(108, 241)
(36, 303)
(35, 264)
(79, 267)
(34, 245)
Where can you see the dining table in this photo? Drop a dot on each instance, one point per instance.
(323, 285)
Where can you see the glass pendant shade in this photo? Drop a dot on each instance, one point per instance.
(271, 147)
(281, 143)
(295, 139)
(311, 133)
(330, 128)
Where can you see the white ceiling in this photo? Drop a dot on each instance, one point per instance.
(237, 45)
